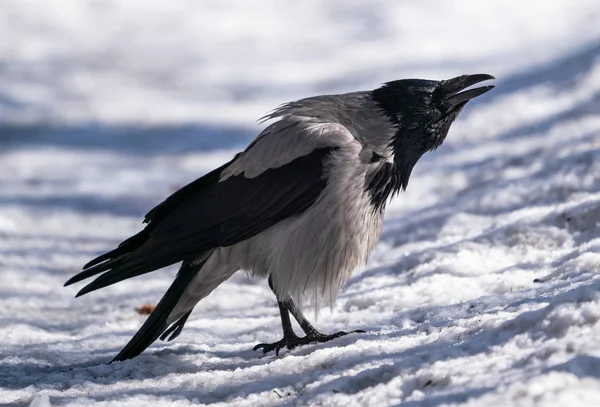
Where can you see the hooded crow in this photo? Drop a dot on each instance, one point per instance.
(302, 205)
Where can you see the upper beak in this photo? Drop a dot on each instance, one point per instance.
(453, 87)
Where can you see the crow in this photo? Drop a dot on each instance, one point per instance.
(302, 205)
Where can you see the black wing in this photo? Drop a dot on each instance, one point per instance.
(207, 214)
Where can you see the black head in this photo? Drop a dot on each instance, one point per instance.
(422, 111)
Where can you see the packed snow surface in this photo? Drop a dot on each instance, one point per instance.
(484, 290)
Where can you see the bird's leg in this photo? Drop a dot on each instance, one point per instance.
(312, 335)
(290, 339)
(286, 324)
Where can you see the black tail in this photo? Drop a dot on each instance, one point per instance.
(137, 255)
(134, 257)
(156, 324)
(111, 259)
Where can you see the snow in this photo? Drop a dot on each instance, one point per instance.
(41, 400)
(484, 289)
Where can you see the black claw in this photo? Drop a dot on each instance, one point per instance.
(260, 345)
(268, 347)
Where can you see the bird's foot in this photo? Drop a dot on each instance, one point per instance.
(288, 341)
(292, 341)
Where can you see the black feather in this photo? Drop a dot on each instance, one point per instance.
(95, 269)
(156, 323)
(410, 106)
(163, 209)
(386, 182)
(375, 158)
(125, 247)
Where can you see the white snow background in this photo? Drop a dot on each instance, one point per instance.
(483, 290)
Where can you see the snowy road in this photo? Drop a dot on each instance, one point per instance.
(484, 290)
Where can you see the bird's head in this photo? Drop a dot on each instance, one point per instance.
(422, 112)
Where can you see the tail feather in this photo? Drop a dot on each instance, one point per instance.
(156, 324)
(132, 265)
(111, 259)
(126, 246)
(92, 271)
(118, 252)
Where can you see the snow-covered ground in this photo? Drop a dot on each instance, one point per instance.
(484, 290)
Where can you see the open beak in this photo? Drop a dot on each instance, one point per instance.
(455, 89)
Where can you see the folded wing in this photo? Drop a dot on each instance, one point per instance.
(212, 212)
